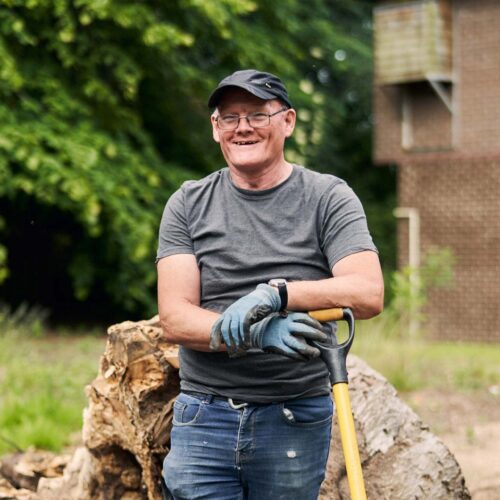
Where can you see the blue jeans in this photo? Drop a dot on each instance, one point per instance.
(254, 452)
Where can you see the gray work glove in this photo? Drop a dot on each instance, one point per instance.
(287, 335)
(233, 327)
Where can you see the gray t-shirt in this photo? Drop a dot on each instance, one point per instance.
(297, 230)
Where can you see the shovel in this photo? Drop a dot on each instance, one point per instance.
(335, 358)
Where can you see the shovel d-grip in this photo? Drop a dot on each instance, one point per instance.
(335, 357)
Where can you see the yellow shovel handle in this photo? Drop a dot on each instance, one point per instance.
(323, 315)
(349, 442)
(335, 358)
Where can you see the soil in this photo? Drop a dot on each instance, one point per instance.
(469, 424)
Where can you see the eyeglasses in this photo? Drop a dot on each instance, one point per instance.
(255, 120)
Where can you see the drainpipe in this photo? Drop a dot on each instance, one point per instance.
(413, 260)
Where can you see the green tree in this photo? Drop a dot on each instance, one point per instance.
(103, 114)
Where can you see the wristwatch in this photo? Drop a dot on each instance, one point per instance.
(280, 285)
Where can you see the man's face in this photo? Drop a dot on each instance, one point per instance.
(247, 148)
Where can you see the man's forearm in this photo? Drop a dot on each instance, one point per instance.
(183, 321)
(188, 325)
(357, 283)
(363, 296)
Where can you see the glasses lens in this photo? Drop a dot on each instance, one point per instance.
(228, 122)
(257, 120)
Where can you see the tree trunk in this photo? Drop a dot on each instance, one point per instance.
(127, 428)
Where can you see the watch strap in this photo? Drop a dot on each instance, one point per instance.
(280, 285)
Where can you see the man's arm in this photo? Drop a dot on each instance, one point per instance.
(357, 283)
(183, 320)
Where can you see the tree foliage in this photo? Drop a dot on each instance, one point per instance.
(103, 113)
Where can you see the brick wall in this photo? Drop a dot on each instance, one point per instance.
(459, 206)
(450, 171)
(478, 60)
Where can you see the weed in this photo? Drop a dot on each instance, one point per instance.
(24, 320)
(404, 316)
(470, 435)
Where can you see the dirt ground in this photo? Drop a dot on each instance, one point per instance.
(469, 424)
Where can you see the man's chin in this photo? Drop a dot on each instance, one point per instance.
(248, 165)
(254, 159)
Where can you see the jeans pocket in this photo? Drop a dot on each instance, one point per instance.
(308, 412)
(187, 412)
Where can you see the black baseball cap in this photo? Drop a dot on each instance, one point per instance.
(259, 83)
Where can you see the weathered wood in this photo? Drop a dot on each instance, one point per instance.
(127, 423)
(77, 481)
(24, 470)
(9, 492)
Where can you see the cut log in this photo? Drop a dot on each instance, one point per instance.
(401, 458)
(127, 428)
(127, 424)
(24, 470)
(9, 492)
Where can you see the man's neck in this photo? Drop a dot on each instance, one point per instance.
(261, 179)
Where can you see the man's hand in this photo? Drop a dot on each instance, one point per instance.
(287, 335)
(233, 326)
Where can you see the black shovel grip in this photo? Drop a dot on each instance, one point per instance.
(335, 356)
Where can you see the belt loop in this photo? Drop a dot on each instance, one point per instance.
(236, 406)
(209, 398)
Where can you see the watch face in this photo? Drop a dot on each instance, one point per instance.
(277, 282)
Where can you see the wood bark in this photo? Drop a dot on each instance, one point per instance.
(128, 419)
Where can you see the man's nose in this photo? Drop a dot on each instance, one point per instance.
(243, 124)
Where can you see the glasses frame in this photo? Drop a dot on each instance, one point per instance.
(247, 117)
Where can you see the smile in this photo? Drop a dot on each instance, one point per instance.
(245, 143)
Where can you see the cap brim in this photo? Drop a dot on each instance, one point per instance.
(260, 93)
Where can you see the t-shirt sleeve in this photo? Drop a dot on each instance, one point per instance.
(174, 237)
(344, 230)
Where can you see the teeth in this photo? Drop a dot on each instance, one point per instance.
(247, 142)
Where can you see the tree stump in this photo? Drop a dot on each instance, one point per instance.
(127, 428)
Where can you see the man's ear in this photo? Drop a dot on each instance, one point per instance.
(290, 119)
(215, 129)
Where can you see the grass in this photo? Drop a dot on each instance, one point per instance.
(412, 364)
(42, 384)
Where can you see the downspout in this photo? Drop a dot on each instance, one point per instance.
(413, 217)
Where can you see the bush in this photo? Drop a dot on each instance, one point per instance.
(404, 316)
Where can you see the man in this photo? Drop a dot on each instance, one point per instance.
(253, 419)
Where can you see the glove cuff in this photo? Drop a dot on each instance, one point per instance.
(273, 295)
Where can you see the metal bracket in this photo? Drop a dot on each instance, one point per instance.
(442, 92)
